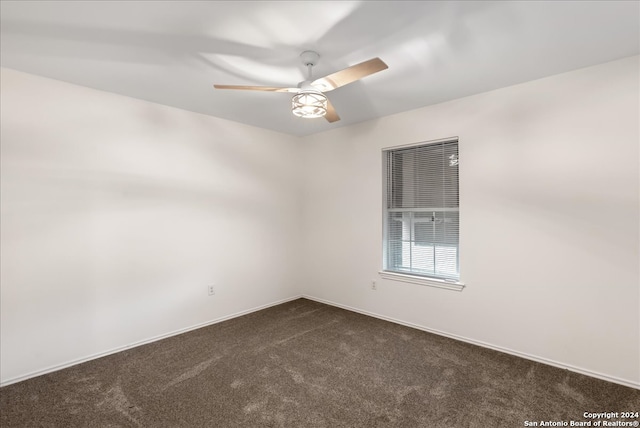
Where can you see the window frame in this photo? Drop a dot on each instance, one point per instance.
(401, 276)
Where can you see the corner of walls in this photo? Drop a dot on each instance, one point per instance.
(117, 214)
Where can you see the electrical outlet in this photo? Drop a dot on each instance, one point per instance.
(211, 290)
(374, 286)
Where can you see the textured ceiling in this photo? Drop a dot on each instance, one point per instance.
(172, 52)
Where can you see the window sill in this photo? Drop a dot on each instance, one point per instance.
(431, 282)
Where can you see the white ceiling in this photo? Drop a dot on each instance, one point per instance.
(172, 52)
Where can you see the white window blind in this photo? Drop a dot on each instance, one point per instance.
(421, 218)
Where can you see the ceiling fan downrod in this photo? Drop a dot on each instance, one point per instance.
(309, 59)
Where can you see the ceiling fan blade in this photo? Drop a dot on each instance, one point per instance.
(258, 88)
(349, 75)
(331, 115)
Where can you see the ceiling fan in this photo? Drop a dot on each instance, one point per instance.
(309, 100)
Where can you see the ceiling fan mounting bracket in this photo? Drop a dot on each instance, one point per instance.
(309, 58)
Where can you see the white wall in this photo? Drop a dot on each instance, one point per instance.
(549, 198)
(117, 213)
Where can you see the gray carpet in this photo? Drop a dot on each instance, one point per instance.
(306, 364)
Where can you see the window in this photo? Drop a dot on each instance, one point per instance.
(421, 212)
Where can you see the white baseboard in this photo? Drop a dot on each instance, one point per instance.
(535, 358)
(141, 342)
(585, 372)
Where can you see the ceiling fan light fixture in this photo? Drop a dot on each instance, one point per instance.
(309, 104)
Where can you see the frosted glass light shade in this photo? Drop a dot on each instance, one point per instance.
(309, 105)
